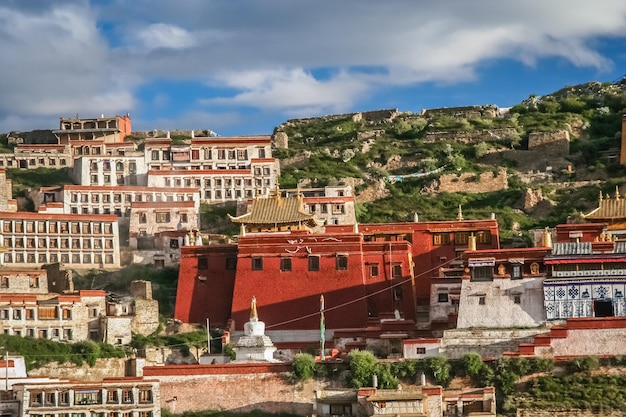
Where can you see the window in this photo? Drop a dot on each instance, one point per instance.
(396, 271)
(174, 243)
(338, 209)
(482, 273)
(341, 262)
(257, 264)
(82, 397)
(373, 270)
(481, 300)
(516, 272)
(484, 236)
(441, 239)
(36, 398)
(47, 312)
(442, 298)
(17, 314)
(517, 299)
(231, 263)
(33, 281)
(184, 218)
(420, 351)
(155, 155)
(285, 264)
(143, 218)
(50, 398)
(127, 396)
(66, 314)
(4, 282)
(203, 262)
(314, 263)
(460, 238)
(145, 395)
(64, 398)
(112, 397)
(163, 217)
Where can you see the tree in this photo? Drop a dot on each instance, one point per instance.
(362, 367)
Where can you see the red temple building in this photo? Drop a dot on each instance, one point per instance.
(368, 273)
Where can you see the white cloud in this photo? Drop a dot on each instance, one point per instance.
(294, 91)
(161, 35)
(61, 58)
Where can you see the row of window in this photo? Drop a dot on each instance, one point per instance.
(44, 258)
(119, 166)
(33, 281)
(55, 333)
(162, 217)
(57, 243)
(45, 226)
(90, 397)
(120, 179)
(94, 414)
(216, 182)
(205, 154)
(461, 238)
(31, 162)
(341, 264)
(41, 313)
(324, 208)
(127, 197)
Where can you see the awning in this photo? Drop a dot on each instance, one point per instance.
(475, 262)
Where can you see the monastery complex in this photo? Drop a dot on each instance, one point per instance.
(301, 275)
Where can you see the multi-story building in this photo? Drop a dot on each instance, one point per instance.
(121, 397)
(80, 241)
(38, 156)
(150, 218)
(86, 199)
(100, 129)
(111, 170)
(224, 168)
(27, 308)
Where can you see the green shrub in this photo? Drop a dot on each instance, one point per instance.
(362, 367)
(439, 368)
(472, 364)
(303, 366)
(584, 364)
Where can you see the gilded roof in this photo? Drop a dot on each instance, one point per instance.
(275, 210)
(608, 208)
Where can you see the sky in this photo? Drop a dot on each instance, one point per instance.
(246, 66)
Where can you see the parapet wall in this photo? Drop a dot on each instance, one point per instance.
(470, 136)
(240, 388)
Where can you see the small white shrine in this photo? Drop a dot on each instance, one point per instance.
(254, 345)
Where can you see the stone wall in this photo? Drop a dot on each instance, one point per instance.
(489, 343)
(554, 143)
(468, 182)
(533, 412)
(469, 112)
(587, 342)
(470, 136)
(238, 390)
(104, 368)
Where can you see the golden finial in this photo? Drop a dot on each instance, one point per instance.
(600, 198)
(459, 215)
(254, 316)
(616, 192)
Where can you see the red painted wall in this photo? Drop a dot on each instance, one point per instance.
(197, 298)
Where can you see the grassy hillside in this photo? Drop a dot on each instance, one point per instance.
(342, 149)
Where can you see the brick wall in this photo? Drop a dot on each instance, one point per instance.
(555, 143)
(267, 391)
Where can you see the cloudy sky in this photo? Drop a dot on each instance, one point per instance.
(245, 66)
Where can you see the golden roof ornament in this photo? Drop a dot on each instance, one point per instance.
(254, 316)
(616, 192)
(546, 238)
(459, 215)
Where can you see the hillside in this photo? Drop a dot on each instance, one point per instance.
(539, 163)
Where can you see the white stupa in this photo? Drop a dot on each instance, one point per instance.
(254, 345)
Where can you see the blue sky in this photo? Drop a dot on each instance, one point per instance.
(243, 67)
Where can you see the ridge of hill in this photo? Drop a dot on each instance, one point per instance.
(539, 163)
